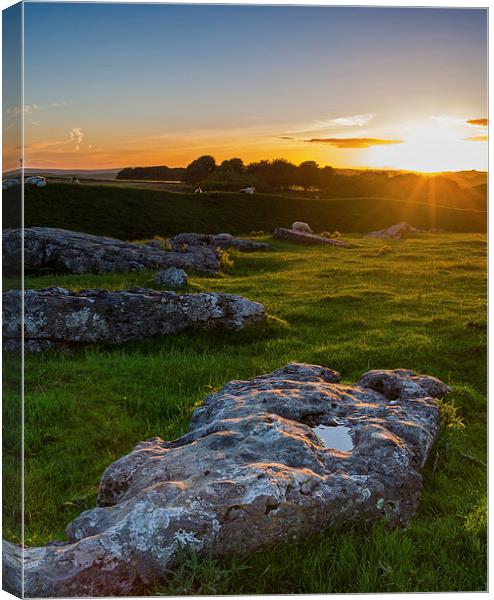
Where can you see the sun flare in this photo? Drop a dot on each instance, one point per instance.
(438, 145)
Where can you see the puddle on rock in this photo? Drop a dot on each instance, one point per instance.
(337, 438)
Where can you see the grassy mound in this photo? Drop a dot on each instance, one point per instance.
(421, 305)
(128, 213)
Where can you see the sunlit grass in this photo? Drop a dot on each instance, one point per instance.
(421, 306)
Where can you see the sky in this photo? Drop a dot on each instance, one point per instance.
(132, 85)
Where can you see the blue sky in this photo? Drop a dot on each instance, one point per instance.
(115, 85)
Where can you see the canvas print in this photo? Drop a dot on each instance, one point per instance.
(244, 299)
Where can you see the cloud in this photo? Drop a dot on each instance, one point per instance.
(477, 138)
(286, 137)
(335, 123)
(76, 135)
(354, 142)
(15, 111)
(353, 121)
(478, 122)
(29, 109)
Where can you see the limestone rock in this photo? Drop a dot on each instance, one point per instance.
(172, 277)
(253, 470)
(222, 240)
(395, 232)
(75, 252)
(58, 318)
(307, 238)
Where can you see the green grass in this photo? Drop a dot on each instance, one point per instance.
(128, 213)
(422, 306)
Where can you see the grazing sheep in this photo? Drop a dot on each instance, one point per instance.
(75, 180)
(301, 226)
(198, 190)
(248, 190)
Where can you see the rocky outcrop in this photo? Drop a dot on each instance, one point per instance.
(302, 237)
(58, 318)
(171, 277)
(264, 461)
(222, 240)
(75, 252)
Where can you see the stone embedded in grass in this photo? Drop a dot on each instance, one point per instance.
(250, 472)
(171, 277)
(58, 318)
(398, 231)
(222, 240)
(76, 252)
(304, 237)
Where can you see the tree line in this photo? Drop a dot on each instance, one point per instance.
(280, 175)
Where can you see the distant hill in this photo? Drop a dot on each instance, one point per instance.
(80, 173)
(130, 213)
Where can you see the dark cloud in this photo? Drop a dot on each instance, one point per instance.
(354, 142)
(478, 122)
(285, 137)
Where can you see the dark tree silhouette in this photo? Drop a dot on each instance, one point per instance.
(199, 169)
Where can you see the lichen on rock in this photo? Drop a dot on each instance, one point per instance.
(250, 472)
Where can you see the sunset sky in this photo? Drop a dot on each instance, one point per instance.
(134, 85)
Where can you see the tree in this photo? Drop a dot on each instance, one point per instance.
(308, 174)
(199, 169)
(234, 165)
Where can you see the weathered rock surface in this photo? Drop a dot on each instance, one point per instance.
(172, 277)
(307, 238)
(222, 240)
(253, 470)
(399, 230)
(75, 252)
(56, 317)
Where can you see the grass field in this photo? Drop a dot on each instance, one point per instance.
(128, 213)
(421, 306)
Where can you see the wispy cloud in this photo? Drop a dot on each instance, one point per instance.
(29, 109)
(477, 138)
(355, 142)
(353, 121)
(478, 122)
(334, 123)
(286, 137)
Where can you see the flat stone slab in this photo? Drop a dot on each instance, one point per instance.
(222, 240)
(76, 252)
(294, 235)
(255, 469)
(59, 318)
(399, 230)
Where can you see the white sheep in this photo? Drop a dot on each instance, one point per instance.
(248, 190)
(301, 226)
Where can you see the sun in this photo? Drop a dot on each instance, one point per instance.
(432, 147)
